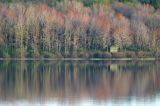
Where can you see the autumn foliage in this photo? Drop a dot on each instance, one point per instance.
(39, 30)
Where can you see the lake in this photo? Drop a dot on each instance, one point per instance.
(80, 83)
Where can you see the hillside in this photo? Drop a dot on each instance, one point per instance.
(56, 29)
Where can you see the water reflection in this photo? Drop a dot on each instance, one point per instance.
(75, 81)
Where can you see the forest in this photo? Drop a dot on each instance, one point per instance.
(79, 28)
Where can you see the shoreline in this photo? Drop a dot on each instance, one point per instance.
(84, 59)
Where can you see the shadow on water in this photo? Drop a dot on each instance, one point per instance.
(78, 80)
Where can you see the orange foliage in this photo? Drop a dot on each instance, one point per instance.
(31, 14)
(84, 18)
(51, 15)
(103, 23)
(120, 17)
(60, 18)
(45, 12)
(70, 13)
(116, 31)
(147, 9)
(144, 11)
(10, 14)
(44, 9)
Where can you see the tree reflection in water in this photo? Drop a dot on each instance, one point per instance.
(78, 80)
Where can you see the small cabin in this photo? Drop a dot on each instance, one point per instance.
(114, 49)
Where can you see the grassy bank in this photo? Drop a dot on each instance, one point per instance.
(97, 56)
(79, 59)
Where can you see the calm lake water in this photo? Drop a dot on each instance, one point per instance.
(80, 83)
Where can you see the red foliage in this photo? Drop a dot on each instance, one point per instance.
(9, 13)
(60, 18)
(71, 13)
(84, 18)
(102, 21)
(120, 17)
(144, 11)
(51, 15)
(116, 31)
(44, 9)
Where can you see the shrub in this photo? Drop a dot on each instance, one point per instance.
(20, 53)
(106, 55)
(118, 55)
(130, 54)
(4, 54)
(83, 55)
(48, 55)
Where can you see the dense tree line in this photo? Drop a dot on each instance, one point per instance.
(70, 29)
(155, 3)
